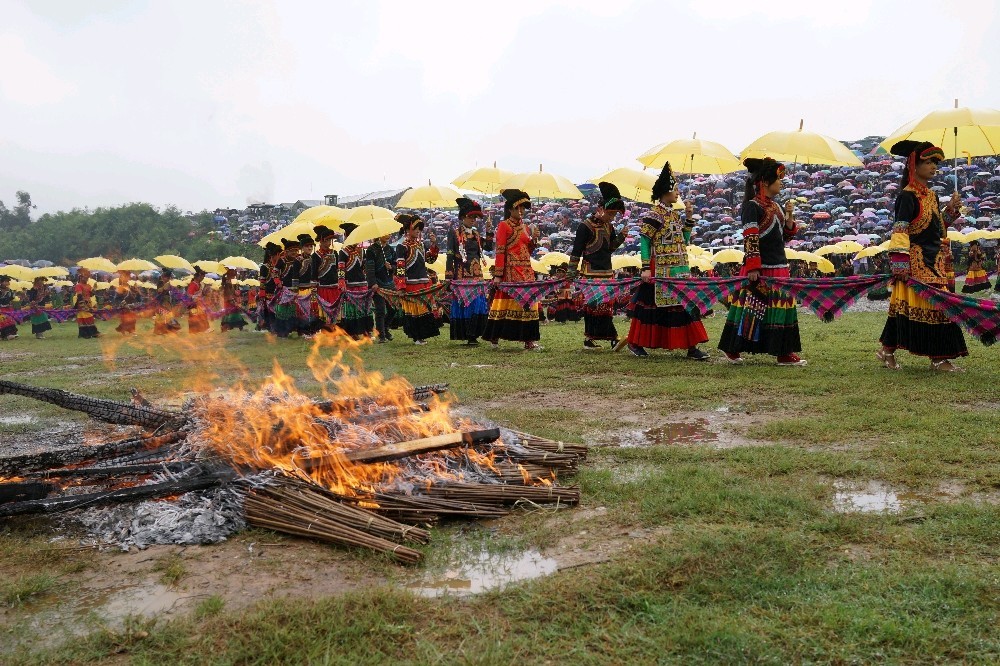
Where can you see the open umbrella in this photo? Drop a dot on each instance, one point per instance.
(328, 216)
(210, 266)
(632, 183)
(17, 272)
(620, 261)
(366, 213)
(429, 196)
(692, 155)
(960, 132)
(97, 264)
(483, 179)
(555, 258)
(372, 229)
(802, 147)
(728, 256)
(174, 262)
(137, 265)
(51, 271)
(240, 262)
(542, 185)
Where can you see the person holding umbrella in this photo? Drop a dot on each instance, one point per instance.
(84, 303)
(37, 297)
(268, 288)
(465, 262)
(327, 270)
(659, 321)
(411, 275)
(197, 317)
(920, 248)
(976, 278)
(379, 260)
(286, 276)
(596, 238)
(761, 319)
(231, 311)
(356, 322)
(507, 319)
(8, 327)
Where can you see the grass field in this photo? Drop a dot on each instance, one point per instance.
(744, 558)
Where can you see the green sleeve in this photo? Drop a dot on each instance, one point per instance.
(687, 235)
(644, 249)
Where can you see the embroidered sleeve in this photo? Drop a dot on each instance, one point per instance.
(906, 210)
(644, 252)
(503, 237)
(751, 235)
(649, 226)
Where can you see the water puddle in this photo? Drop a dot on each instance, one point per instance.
(483, 571)
(695, 431)
(872, 497)
(18, 420)
(147, 601)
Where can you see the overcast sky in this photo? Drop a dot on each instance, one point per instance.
(207, 103)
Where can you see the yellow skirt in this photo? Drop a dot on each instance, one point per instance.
(507, 309)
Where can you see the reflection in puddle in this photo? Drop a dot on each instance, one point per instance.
(482, 571)
(872, 497)
(17, 420)
(147, 601)
(695, 431)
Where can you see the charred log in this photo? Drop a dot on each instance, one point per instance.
(109, 411)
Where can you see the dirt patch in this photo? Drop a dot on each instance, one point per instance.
(720, 428)
(47, 370)
(13, 356)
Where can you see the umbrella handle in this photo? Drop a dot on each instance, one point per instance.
(955, 165)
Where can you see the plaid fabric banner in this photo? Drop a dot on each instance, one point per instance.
(425, 297)
(60, 316)
(362, 300)
(828, 297)
(466, 291)
(698, 294)
(597, 292)
(527, 294)
(979, 316)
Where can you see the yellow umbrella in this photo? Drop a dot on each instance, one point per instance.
(848, 247)
(541, 185)
(620, 261)
(137, 265)
(701, 263)
(429, 196)
(180, 282)
(372, 229)
(728, 256)
(698, 251)
(692, 156)
(958, 131)
(52, 271)
(240, 262)
(484, 179)
(174, 262)
(553, 258)
(210, 266)
(826, 249)
(803, 148)
(101, 286)
(328, 216)
(62, 283)
(870, 251)
(367, 213)
(957, 236)
(17, 272)
(98, 264)
(632, 183)
(252, 282)
(439, 265)
(822, 263)
(979, 234)
(20, 285)
(995, 234)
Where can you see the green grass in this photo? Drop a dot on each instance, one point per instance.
(24, 588)
(171, 569)
(748, 564)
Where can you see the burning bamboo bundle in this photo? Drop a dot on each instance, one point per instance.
(368, 471)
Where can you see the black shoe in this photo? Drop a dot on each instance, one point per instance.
(696, 354)
(590, 344)
(472, 343)
(638, 351)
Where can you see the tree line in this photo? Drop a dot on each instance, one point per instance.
(121, 232)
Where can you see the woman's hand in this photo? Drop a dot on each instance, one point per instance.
(753, 276)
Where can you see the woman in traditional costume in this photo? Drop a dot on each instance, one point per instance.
(232, 316)
(356, 322)
(975, 277)
(465, 262)
(8, 326)
(761, 319)
(37, 296)
(920, 248)
(164, 321)
(659, 321)
(411, 276)
(596, 238)
(507, 319)
(84, 302)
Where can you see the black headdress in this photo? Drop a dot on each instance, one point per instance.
(410, 220)
(347, 228)
(664, 183)
(611, 198)
(198, 270)
(306, 239)
(323, 232)
(513, 198)
(467, 207)
(289, 243)
(763, 172)
(166, 273)
(924, 150)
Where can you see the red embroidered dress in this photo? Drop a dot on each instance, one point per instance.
(507, 319)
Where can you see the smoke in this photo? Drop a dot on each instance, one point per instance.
(256, 182)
